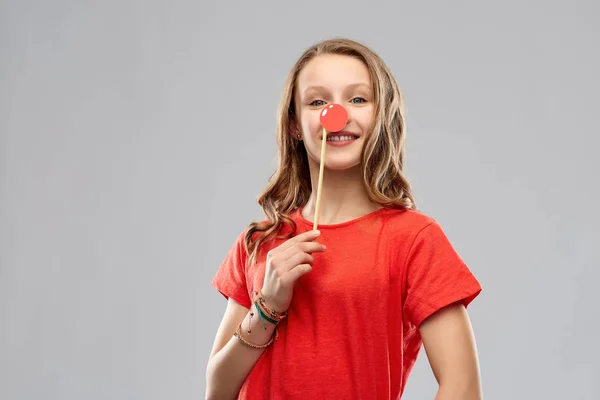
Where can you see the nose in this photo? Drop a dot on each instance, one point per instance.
(334, 117)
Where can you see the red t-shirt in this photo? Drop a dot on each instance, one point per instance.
(351, 330)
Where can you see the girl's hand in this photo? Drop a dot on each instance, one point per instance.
(285, 265)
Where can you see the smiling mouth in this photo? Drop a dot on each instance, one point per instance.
(340, 136)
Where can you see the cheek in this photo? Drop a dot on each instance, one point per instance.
(365, 117)
(310, 123)
(368, 113)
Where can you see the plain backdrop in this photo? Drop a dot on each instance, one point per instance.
(136, 136)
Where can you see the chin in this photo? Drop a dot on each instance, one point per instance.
(338, 162)
(341, 165)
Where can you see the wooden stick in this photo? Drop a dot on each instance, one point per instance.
(320, 185)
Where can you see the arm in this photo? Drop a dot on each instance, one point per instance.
(230, 360)
(449, 342)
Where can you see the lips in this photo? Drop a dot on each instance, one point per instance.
(340, 133)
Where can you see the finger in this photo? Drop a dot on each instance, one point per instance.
(294, 260)
(297, 272)
(311, 247)
(304, 247)
(303, 237)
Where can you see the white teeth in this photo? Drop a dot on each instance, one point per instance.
(339, 138)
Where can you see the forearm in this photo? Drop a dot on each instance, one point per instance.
(228, 368)
(459, 392)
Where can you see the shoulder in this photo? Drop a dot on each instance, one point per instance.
(410, 233)
(408, 222)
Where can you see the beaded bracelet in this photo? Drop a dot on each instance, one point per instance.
(262, 314)
(238, 334)
(274, 315)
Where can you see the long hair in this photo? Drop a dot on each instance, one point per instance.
(382, 156)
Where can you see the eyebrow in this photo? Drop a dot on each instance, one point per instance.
(324, 88)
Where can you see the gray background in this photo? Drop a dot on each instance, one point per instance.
(136, 136)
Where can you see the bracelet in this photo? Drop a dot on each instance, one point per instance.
(238, 334)
(262, 314)
(274, 315)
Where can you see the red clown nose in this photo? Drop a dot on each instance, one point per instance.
(334, 118)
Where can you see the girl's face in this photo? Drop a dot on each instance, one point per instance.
(329, 79)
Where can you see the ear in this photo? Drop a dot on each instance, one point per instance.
(294, 130)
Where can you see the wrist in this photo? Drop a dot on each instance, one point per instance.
(269, 308)
(256, 334)
(269, 302)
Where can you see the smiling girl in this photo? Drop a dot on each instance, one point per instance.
(342, 312)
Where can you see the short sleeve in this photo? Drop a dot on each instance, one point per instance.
(436, 276)
(230, 279)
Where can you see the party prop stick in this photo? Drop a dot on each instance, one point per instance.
(320, 185)
(333, 119)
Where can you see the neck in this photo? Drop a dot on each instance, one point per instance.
(343, 196)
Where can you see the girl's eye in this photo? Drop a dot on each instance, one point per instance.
(360, 100)
(317, 103)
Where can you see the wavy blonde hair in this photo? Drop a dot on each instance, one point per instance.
(382, 157)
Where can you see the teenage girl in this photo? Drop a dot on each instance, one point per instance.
(341, 312)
